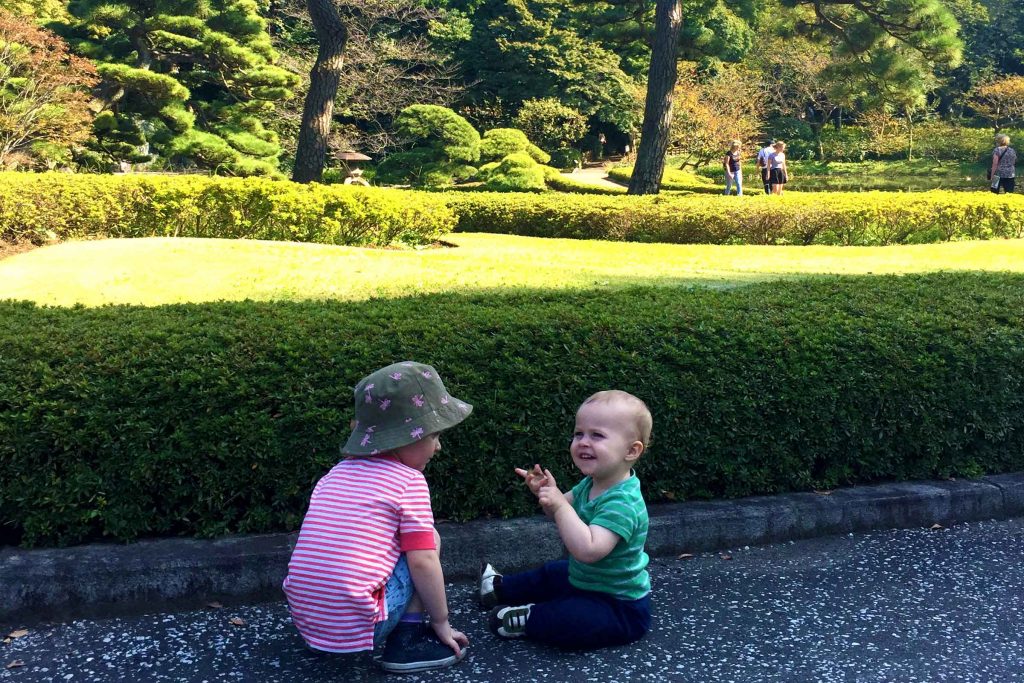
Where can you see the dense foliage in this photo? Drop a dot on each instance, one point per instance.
(189, 84)
(43, 95)
(57, 206)
(124, 422)
(870, 218)
(442, 148)
(200, 85)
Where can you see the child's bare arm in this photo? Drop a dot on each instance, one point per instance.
(427, 577)
(587, 544)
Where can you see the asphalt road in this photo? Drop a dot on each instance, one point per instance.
(887, 607)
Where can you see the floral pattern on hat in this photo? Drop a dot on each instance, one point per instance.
(402, 403)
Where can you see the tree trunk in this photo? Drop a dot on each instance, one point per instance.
(323, 87)
(661, 81)
(910, 137)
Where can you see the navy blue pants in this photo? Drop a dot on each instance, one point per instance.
(568, 617)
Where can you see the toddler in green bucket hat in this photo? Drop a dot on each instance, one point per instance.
(365, 571)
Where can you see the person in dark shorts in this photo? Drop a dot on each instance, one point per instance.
(778, 173)
(1003, 173)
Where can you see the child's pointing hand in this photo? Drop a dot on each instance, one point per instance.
(534, 478)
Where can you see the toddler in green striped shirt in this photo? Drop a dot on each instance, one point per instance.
(600, 596)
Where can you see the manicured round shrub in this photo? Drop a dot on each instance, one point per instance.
(498, 143)
(444, 148)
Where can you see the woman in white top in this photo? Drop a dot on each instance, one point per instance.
(778, 174)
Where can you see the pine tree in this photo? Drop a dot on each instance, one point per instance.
(184, 82)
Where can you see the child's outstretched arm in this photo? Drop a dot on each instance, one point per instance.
(427, 577)
(587, 544)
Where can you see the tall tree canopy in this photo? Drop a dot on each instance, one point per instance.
(188, 79)
(878, 41)
(512, 51)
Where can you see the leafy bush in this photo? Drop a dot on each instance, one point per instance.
(550, 124)
(444, 148)
(43, 207)
(500, 142)
(517, 172)
(865, 218)
(566, 157)
(125, 422)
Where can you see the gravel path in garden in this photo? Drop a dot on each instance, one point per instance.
(593, 175)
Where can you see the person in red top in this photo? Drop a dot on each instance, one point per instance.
(365, 571)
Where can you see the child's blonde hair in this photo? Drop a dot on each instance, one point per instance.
(780, 145)
(734, 145)
(641, 414)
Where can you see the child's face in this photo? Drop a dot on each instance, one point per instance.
(417, 455)
(604, 444)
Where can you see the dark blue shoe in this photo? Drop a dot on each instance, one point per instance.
(415, 647)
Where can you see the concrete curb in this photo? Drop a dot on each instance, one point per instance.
(105, 579)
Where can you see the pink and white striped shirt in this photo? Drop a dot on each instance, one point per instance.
(362, 515)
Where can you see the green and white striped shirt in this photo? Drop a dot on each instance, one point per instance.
(620, 509)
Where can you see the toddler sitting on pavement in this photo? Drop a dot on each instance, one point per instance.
(365, 571)
(601, 596)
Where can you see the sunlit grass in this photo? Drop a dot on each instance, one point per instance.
(167, 270)
(914, 175)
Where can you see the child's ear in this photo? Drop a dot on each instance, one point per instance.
(636, 449)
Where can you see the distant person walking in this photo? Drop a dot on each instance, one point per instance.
(778, 173)
(762, 164)
(1004, 165)
(733, 169)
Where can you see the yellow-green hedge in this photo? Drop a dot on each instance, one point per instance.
(48, 206)
(851, 218)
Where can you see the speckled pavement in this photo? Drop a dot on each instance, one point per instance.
(904, 606)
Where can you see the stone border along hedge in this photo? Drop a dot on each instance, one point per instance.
(849, 218)
(207, 419)
(57, 206)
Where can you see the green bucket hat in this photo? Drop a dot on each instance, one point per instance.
(399, 405)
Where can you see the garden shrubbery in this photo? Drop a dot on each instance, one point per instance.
(125, 422)
(44, 207)
(867, 218)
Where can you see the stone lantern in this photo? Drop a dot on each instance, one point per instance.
(350, 160)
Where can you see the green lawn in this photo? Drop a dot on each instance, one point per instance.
(916, 175)
(157, 271)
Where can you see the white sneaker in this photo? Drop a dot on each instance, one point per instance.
(509, 622)
(490, 580)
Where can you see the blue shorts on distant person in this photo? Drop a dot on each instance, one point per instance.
(397, 594)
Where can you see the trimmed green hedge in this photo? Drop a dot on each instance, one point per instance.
(48, 206)
(123, 422)
(868, 218)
